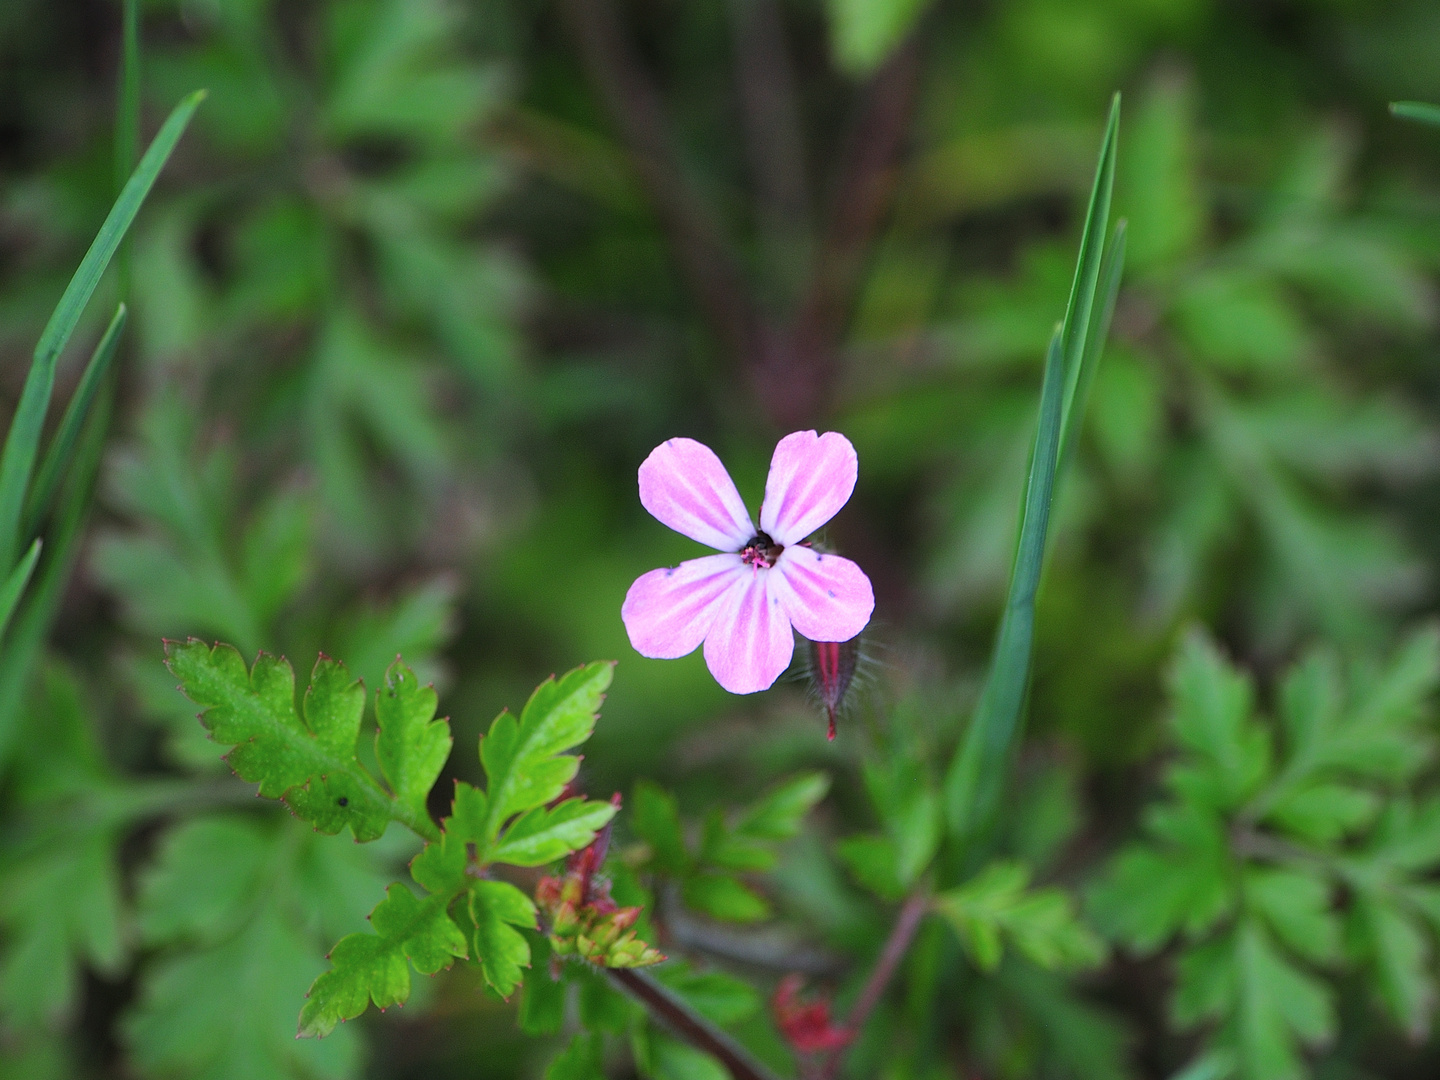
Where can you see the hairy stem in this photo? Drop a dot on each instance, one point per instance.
(894, 950)
(668, 1008)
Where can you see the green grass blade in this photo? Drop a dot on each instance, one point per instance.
(973, 781)
(976, 774)
(58, 456)
(1079, 309)
(1111, 269)
(1416, 110)
(23, 440)
(15, 585)
(35, 615)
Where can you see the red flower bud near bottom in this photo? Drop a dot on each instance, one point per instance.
(806, 1025)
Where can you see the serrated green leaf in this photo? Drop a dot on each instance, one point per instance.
(1205, 988)
(777, 814)
(544, 834)
(1212, 718)
(496, 908)
(520, 755)
(1401, 955)
(231, 909)
(411, 745)
(311, 764)
(372, 967)
(1325, 812)
(1279, 1008)
(996, 907)
(1296, 906)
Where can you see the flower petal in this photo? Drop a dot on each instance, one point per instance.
(811, 478)
(683, 484)
(750, 643)
(826, 597)
(667, 612)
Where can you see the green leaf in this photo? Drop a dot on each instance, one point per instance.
(310, 763)
(1401, 953)
(864, 32)
(233, 911)
(655, 817)
(542, 998)
(1212, 718)
(1296, 905)
(523, 758)
(1416, 110)
(996, 906)
(1324, 812)
(874, 862)
(723, 897)
(411, 745)
(23, 440)
(1146, 896)
(372, 967)
(582, 1059)
(777, 814)
(975, 775)
(543, 834)
(496, 908)
(1278, 1008)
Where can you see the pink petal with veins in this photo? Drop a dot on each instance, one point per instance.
(827, 598)
(668, 612)
(811, 478)
(750, 642)
(683, 484)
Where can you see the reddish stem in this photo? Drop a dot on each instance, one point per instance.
(896, 946)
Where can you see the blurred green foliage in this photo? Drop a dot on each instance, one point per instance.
(405, 317)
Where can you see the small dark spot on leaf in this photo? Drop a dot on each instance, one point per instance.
(343, 801)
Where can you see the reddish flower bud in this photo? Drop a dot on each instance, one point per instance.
(806, 1025)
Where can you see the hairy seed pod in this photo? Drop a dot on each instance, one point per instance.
(832, 669)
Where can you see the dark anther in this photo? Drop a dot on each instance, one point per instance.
(761, 551)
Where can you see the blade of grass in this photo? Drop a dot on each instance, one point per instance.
(15, 585)
(1416, 110)
(975, 776)
(22, 442)
(1079, 308)
(973, 780)
(32, 626)
(58, 455)
(1111, 269)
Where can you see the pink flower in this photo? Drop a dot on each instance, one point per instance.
(743, 603)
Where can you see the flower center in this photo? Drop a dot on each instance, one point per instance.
(761, 552)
